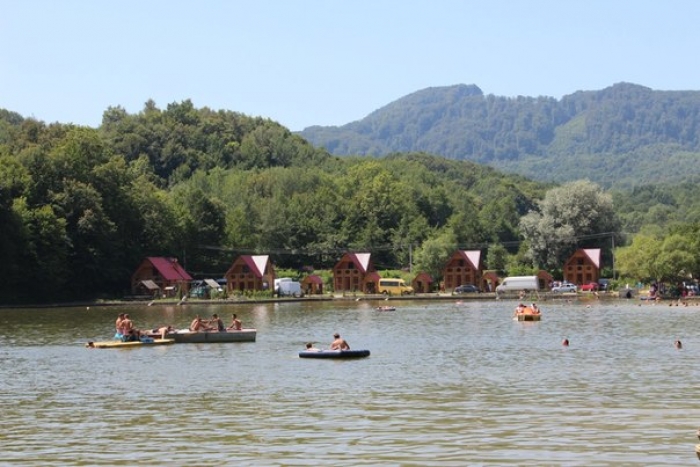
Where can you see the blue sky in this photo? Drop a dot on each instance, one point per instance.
(326, 62)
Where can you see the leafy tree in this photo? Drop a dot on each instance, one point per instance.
(497, 257)
(643, 259)
(43, 261)
(433, 254)
(571, 216)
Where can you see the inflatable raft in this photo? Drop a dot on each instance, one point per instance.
(339, 354)
(120, 344)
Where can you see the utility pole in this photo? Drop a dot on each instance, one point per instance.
(612, 254)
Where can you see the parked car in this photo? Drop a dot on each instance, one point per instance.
(590, 287)
(467, 288)
(564, 287)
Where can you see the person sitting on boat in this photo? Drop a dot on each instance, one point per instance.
(129, 332)
(216, 324)
(520, 309)
(535, 309)
(118, 325)
(197, 324)
(310, 348)
(339, 343)
(235, 324)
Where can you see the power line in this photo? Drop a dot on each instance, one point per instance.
(384, 247)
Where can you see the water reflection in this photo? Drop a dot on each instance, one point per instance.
(447, 384)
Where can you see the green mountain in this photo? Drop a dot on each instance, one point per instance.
(621, 136)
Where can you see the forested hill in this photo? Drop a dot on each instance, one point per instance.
(621, 136)
(81, 207)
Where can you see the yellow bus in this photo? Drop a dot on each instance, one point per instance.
(394, 287)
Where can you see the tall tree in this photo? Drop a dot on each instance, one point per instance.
(574, 215)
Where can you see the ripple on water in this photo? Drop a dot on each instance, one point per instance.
(446, 384)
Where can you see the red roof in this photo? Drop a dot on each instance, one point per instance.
(372, 276)
(169, 268)
(360, 260)
(313, 279)
(257, 264)
(594, 255)
(424, 276)
(473, 257)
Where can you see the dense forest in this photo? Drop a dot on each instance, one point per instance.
(622, 136)
(80, 207)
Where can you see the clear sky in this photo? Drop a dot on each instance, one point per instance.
(328, 62)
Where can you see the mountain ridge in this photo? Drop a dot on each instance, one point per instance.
(615, 136)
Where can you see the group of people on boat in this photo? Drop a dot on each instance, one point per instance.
(127, 332)
(338, 344)
(215, 324)
(125, 329)
(522, 309)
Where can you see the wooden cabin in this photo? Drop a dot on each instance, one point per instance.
(157, 275)
(312, 285)
(463, 267)
(352, 274)
(250, 273)
(490, 280)
(583, 266)
(545, 280)
(422, 283)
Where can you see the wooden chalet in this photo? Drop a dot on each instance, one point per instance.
(463, 267)
(545, 280)
(490, 280)
(353, 273)
(583, 266)
(250, 273)
(158, 275)
(312, 285)
(422, 283)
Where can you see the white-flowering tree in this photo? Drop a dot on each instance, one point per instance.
(569, 217)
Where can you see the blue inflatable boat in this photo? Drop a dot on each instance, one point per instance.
(334, 354)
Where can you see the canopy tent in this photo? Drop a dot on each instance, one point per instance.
(150, 285)
(213, 284)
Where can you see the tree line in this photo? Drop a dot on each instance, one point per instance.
(80, 207)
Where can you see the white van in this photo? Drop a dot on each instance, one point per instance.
(518, 283)
(285, 286)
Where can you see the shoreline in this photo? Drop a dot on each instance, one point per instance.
(543, 297)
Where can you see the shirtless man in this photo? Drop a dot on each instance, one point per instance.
(235, 324)
(129, 330)
(163, 331)
(197, 324)
(118, 326)
(339, 343)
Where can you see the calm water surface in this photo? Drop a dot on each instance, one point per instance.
(448, 384)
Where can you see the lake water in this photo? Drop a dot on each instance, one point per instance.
(448, 384)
